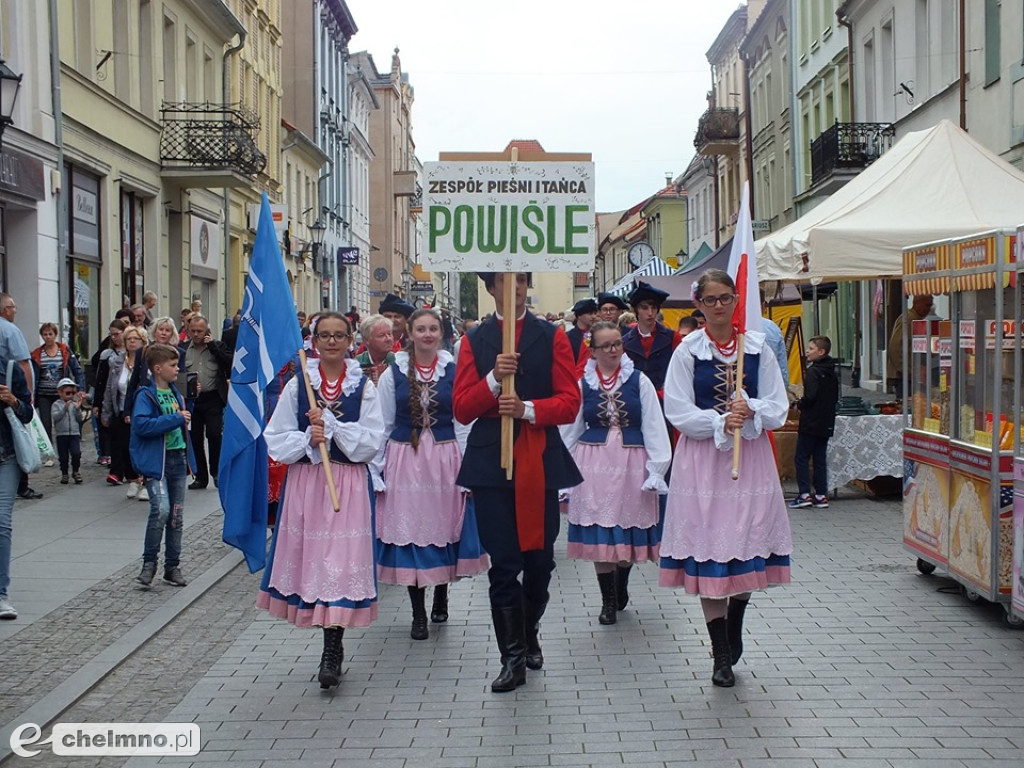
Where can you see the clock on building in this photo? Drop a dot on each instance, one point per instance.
(639, 254)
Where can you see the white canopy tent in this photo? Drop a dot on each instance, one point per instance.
(930, 185)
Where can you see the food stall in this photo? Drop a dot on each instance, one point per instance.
(1017, 588)
(926, 346)
(964, 420)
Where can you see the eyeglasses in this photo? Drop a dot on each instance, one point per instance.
(325, 336)
(725, 300)
(611, 346)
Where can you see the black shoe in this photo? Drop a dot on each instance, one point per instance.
(621, 584)
(330, 661)
(734, 618)
(28, 493)
(508, 629)
(439, 611)
(722, 675)
(532, 614)
(419, 630)
(197, 486)
(145, 577)
(609, 599)
(173, 577)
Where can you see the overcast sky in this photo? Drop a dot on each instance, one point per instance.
(625, 81)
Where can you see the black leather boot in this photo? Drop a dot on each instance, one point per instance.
(532, 613)
(734, 618)
(508, 629)
(621, 586)
(722, 676)
(609, 598)
(439, 611)
(419, 631)
(333, 655)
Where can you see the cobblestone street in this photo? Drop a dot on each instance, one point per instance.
(860, 662)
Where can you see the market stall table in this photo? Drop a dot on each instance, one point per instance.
(865, 447)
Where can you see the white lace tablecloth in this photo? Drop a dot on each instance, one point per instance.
(864, 447)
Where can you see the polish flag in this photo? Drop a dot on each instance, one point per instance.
(743, 270)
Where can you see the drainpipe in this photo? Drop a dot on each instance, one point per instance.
(963, 66)
(844, 21)
(62, 196)
(225, 90)
(855, 370)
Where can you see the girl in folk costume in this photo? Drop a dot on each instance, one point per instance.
(724, 538)
(320, 571)
(426, 529)
(620, 443)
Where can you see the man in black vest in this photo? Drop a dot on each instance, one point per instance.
(518, 519)
(650, 344)
(585, 311)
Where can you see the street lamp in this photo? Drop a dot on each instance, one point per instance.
(10, 84)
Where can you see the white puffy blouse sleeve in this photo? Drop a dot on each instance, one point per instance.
(680, 407)
(656, 441)
(361, 440)
(286, 443)
(571, 433)
(386, 396)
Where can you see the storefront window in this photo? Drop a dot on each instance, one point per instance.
(84, 261)
(132, 252)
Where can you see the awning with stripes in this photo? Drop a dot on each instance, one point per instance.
(653, 268)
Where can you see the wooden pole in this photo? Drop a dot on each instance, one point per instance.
(736, 437)
(325, 457)
(508, 384)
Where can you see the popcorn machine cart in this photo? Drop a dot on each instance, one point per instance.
(964, 390)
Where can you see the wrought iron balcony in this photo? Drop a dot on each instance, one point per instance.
(718, 132)
(210, 145)
(849, 146)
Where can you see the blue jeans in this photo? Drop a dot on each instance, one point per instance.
(10, 474)
(166, 510)
(813, 448)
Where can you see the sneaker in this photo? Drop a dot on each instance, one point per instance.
(113, 479)
(64, 479)
(801, 502)
(48, 463)
(7, 611)
(173, 577)
(145, 577)
(820, 502)
(105, 461)
(77, 477)
(30, 493)
(143, 494)
(133, 490)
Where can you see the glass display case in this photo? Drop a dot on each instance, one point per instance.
(928, 347)
(980, 549)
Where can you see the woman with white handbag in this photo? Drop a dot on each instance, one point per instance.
(16, 402)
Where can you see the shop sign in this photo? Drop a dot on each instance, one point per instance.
(1009, 331)
(423, 286)
(205, 248)
(22, 174)
(348, 256)
(975, 255)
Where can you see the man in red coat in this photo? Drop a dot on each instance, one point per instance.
(518, 519)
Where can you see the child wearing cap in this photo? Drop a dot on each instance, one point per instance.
(67, 417)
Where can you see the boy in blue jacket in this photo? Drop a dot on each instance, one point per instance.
(161, 452)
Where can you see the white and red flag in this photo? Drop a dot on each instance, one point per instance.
(743, 270)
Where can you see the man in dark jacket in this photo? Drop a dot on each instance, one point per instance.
(585, 312)
(650, 344)
(208, 362)
(817, 422)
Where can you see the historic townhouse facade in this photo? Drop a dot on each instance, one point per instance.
(362, 102)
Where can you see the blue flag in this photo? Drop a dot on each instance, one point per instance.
(268, 337)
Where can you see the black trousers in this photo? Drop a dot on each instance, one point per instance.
(69, 447)
(120, 457)
(811, 448)
(208, 424)
(496, 520)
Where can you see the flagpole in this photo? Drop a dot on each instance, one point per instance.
(325, 457)
(508, 383)
(736, 437)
